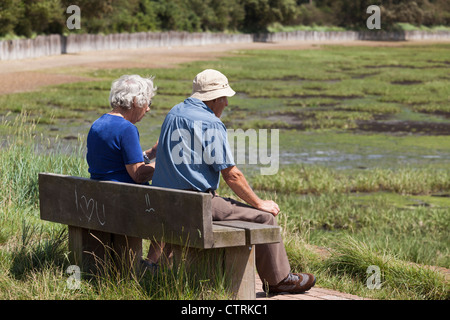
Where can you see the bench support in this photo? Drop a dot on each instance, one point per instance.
(93, 251)
(237, 264)
(240, 266)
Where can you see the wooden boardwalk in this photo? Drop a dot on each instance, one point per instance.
(315, 293)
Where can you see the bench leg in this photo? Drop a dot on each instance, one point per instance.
(127, 251)
(240, 266)
(87, 247)
(93, 250)
(204, 263)
(237, 263)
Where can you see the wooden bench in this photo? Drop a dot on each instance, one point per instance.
(104, 214)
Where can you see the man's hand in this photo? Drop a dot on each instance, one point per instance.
(237, 182)
(269, 206)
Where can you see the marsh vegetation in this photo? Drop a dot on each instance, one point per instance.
(364, 174)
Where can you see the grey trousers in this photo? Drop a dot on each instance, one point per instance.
(272, 262)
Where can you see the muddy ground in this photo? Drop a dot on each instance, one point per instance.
(33, 74)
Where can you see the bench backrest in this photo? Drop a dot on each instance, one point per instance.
(129, 209)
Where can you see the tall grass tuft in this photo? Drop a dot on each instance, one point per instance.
(352, 257)
(25, 154)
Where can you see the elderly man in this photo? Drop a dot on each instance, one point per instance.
(193, 151)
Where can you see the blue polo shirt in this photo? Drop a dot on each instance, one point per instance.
(192, 148)
(112, 143)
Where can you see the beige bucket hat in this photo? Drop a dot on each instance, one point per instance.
(211, 84)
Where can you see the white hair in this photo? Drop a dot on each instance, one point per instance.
(131, 88)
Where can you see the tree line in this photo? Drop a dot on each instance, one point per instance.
(31, 17)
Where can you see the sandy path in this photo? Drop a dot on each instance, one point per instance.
(31, 74)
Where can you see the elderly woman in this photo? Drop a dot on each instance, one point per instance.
(113, 149)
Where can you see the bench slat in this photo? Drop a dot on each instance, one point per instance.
(256, 233)
(228, 236)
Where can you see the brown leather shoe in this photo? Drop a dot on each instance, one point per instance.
(293, 283)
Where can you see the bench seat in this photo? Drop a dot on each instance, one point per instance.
(118, 215)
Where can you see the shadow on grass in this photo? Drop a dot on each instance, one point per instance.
(36, 253)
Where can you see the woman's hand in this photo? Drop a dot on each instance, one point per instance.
(151, 153)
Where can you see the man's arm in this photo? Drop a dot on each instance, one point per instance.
(235, 179)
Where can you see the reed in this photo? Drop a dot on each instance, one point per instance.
(315, 179)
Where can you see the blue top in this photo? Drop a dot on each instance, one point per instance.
(112, 143)
(192, 148)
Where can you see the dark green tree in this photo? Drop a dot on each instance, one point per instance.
(95, 15)
(259, 14)
(11, 13)
(38, 16)
(29, 17)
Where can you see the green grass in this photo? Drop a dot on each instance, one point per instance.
(318, 180)
(397, 278)
(368, 198)
(34, 253)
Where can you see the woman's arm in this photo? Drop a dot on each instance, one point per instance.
(141, 172)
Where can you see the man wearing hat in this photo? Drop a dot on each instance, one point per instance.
(193, 151)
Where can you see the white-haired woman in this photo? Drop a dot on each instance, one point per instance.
(113, 148)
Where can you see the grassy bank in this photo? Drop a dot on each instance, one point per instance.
(33, 253)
